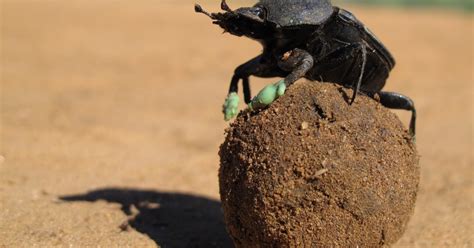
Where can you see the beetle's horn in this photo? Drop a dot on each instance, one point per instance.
(199, 9)
(225, 7)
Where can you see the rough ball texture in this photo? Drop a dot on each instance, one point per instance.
(313, 171)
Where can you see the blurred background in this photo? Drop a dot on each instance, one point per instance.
(466, 5)
(111, 118)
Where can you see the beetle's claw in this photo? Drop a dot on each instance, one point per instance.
(231, 106)
(268, 95)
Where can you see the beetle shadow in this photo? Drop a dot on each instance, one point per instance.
(344, 94)
(170, 219)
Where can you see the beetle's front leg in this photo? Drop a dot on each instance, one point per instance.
(231, 104)
(254, 67)
(298, 62)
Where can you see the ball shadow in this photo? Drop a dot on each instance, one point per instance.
(170, 219)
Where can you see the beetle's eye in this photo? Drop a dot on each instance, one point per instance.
(260, 12)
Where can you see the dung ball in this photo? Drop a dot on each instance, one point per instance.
(313, 171)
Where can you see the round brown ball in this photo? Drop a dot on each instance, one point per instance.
(313, 171)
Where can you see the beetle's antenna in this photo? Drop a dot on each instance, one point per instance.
(225, 7)
(199, 9)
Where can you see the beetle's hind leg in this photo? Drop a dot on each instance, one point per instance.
(395, 100)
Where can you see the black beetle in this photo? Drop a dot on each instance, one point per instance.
(310, 39)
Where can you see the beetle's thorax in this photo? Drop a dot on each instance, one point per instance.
(286, 13)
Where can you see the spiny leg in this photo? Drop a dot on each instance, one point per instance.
(298, 62)
(345, 65)
(395, 100)
(356, 89)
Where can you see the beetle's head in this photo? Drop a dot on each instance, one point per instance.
(246, 21)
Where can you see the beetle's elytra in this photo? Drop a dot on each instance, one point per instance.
(310, 39)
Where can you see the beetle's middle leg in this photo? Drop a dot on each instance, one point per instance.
(345, 65)
(356, 87)
(296, 64)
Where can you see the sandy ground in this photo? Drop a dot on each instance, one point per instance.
(110, 121)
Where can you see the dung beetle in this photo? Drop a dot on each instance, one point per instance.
(310, 39)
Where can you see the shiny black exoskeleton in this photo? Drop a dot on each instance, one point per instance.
(314, 40)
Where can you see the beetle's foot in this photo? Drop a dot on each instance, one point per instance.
(231, 106)
(268, 95)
